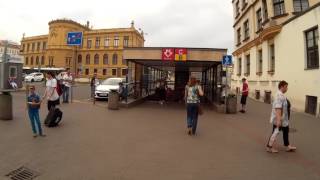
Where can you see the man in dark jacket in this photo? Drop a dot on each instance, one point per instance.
(93, 83)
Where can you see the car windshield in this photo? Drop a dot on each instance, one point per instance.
(112, 82)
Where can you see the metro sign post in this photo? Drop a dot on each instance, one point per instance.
(227, 63)
(74, 39)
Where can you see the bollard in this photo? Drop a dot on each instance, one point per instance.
(5, 106)
(113, 100)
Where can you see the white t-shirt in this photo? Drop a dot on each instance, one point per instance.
(67, 78)
(51, 86)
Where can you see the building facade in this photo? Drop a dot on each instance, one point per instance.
(278, 40)
(12, 47)
(100, 52)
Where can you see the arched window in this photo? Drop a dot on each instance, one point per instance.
(88, 59)
(105, 59)
(31, 60)
(42, 60)
(96, 59)
(115, 59)
(37, 60)
(79, 59)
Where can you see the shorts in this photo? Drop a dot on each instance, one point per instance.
(243, 99)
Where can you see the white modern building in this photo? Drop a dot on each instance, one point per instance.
(279, 41)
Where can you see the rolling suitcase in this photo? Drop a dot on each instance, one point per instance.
(53, 118)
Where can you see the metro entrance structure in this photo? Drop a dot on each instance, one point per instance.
(148, 65)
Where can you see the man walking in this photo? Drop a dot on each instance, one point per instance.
(280, 119)
(245, 93)
(67, 82)
(93, 83)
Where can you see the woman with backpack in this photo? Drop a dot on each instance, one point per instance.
(193, 91)
(51, 92)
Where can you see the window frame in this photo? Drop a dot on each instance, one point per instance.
(280, 6)
(315, 48)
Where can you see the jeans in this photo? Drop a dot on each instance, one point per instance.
(35, 121)
(65, 94)
(192, 116)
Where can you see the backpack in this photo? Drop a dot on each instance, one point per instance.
(59, 89)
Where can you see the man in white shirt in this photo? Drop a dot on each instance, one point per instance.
(67, 82)
(51, 93)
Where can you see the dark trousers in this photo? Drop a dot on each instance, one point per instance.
(52, 104)
(285, 133)
(192, 116)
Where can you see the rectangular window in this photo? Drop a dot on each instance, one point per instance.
(116, 41)
(28, 47)
(239, 67)
(265, 10)
(300, 5)
(33, 46)
(106, 42)
(246, 30)
(97, 42)
(89, 43)
(259, 62)
(114, 72)
(38, 46)
(124, 72)
(44, 45)
(239, 36)
(237, 9)
(104, 72)
(87, 71)
(271, 58)
(311, 105)
(312, 39)
(126, 41)
(259, 20)
(13, 71)
(95, 70)
(247, 65)
(278, 7)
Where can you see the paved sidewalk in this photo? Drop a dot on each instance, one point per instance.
(150, 142)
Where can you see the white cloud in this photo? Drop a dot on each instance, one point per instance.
(189, 23)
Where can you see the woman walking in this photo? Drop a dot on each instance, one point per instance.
(193, 91)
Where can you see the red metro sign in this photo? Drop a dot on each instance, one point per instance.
(168, 54)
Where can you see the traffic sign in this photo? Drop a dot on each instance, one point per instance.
(74, 38)
(227, 60)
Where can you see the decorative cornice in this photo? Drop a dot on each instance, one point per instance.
(264, 35)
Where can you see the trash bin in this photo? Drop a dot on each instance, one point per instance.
(5, 106)
(113, 100)
(231, 104)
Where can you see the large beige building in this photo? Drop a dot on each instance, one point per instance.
(278, 40)
(100, 52)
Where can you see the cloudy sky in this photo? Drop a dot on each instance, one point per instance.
(185, 23)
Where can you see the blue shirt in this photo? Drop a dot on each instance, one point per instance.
(33, 98)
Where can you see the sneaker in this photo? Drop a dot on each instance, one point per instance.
(291, 148)
(35, 135)
(272, 150)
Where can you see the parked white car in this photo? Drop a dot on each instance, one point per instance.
(34, 77)
(103, 89)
